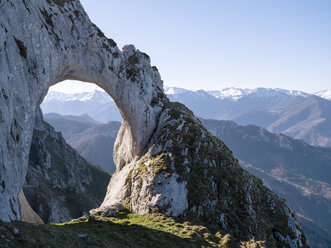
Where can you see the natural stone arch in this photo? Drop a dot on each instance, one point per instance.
(44, 59)
(166, 160)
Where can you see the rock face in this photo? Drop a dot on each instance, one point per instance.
(60, 184)
(49, 43)
(166, 161)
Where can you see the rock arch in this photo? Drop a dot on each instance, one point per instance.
(166, 160)
(52, 42)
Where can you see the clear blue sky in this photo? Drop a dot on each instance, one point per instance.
(214, 44)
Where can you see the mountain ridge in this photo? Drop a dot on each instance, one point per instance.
(295, 113)
(230, 93)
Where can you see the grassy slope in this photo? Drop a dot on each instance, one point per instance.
(126, 230)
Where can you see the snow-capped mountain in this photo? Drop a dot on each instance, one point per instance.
(235, 94)
(272, 92)
(230, 93)
(95, 95)
(326, 94)
(97, 104)
(226, 93)
(175, 90)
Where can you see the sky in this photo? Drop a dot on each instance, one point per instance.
(215, 44)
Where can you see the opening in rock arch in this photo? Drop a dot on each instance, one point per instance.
(80, 98)
(88, 119)
(59, 176)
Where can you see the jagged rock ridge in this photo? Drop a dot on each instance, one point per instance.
(166, 161)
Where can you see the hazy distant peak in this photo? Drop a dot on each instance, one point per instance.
(235, 94)
(230, 93)
(276, 92)
(96, 95)
(326, 94)
(174, 90)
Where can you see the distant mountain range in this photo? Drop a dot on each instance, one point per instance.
(294, 113)
(93, 141)
(296, 171)
(81, 118)
(97, 104)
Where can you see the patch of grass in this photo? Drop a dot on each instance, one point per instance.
(126, 230)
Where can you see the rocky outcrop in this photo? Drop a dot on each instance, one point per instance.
(186, 171)
(60, 185)
(166, 161)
